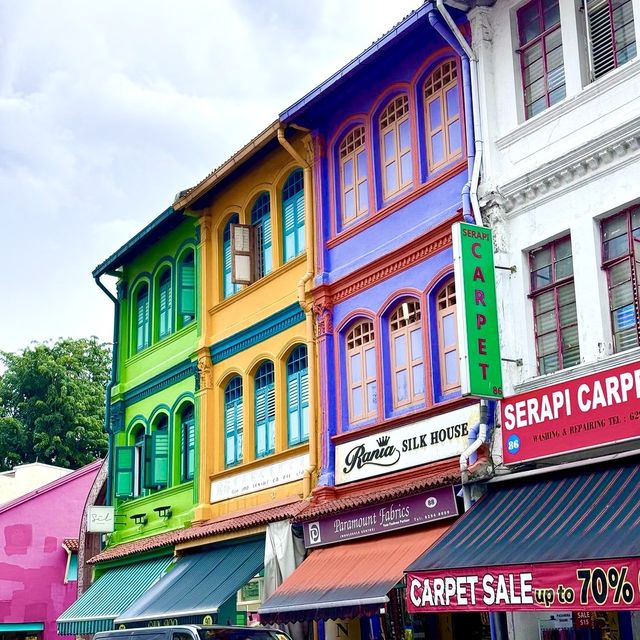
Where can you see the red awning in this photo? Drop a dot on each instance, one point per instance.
(347, 579)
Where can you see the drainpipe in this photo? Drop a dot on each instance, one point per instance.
(473, 127)
(113, 379)
(307, 307)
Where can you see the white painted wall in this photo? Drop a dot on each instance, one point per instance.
(27, 477)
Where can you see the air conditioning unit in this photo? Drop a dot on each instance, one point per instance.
(250, 596)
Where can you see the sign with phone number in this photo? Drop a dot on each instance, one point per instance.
(610, 585)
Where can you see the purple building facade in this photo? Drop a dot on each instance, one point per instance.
(38, 570)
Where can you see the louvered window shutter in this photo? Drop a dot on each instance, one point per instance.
(300, 223)
(160, 466)
(230, 433)
(293, 407)
(187, 291)
(142, 338)
(261, 422)
(611, 34)
(125, 457)
(304, 404)
(191, 449)
(147, 457)
(289, 215)
(271, 418)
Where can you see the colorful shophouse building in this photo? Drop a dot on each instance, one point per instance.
(558, 86)
(391, 173)
(256, 428)
(38, 555)
(152, 413)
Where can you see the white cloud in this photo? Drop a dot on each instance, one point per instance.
(108, 109)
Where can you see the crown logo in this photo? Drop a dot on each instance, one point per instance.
(383, 441)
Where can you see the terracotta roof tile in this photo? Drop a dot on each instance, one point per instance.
(390, 491)
(72, 544)
(237, 521)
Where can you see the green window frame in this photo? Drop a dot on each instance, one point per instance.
(228, 286)
(233, 422)
(261, 221)
(298, 396)
(142, 318)
(187, 443)
(156, 455)
(265, 410)
(124, 485)
(187, 289)
(293, 215)
(165, 304)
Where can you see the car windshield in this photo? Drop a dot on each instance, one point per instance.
(241, 633)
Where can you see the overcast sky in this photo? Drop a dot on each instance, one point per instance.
(108, 109)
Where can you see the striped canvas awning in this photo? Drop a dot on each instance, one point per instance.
(109, 596)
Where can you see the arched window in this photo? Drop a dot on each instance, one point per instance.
(407, 357)
(261, 221)
(233, 422)
(143, 325)
(165, 304)
(354, 185)
(448, 338)
(138, 462)
(293, 214)
(187, 443)
(395, 140)
(265, 410)
(298, 396)
(442, 115)
(187, 289)
(156, 454)
(229, 287)
(361, 371)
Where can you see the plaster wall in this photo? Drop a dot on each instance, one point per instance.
(32, 560)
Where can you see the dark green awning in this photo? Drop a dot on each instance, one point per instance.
(199, 583)
(109, 596)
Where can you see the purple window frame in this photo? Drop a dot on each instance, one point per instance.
(609, 263)
(525, 46)
(553, 286)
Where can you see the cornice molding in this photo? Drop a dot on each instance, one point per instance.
(160, 382)
(260, 331)
(609, 152)
(400, 259)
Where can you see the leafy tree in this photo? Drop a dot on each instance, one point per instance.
(52, 403)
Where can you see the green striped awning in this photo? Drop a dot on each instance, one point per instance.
(109, 596)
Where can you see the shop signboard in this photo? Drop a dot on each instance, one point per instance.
(477, 311)
(264, 477)
(590, 411)
(392, 515)
(435, 438)
(100, 519)
(600, 585)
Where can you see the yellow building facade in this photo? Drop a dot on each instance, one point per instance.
(256, 355)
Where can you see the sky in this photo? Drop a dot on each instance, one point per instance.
(108, 109)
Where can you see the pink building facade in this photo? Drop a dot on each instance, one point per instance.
(38, 575)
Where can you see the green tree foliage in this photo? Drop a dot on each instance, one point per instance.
(52, 403)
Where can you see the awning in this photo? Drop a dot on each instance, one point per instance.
(199, 583)
(109, 596)
(530, 539)
(349, 579)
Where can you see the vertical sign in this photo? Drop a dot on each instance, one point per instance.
(478, 340)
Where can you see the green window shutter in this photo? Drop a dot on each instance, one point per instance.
(147, 462)
(125, 457)
(165, 307)
(187, 289)
(142, 321)
(160, 454)
(191, 449)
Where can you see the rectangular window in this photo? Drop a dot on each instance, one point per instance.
(541, 57)
(620, 258)
(554, 306)
(611, 34)
(242, 256)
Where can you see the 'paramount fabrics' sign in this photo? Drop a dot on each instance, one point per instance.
(436, 438)
(602, 585)
(392, 515)
(478, 340)
(586, 412)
